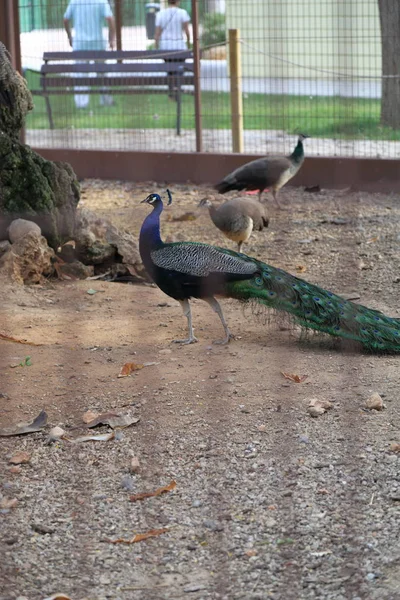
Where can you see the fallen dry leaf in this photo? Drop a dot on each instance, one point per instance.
(10, 338)
(394, 447)
(129, 368)
(301, 269)
(8, 503)
(162, 490)
(113, 420)
(20, 458)
(89, 416)
(293, 377)
(140, 537)
(103, 437)
(251, 552)
(22, 428)
(318, 407)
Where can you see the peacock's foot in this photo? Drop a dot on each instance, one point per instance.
(189, 340)
(225, 340)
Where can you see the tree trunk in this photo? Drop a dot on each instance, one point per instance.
(389, 14)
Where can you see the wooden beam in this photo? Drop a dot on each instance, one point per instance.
(235, 71)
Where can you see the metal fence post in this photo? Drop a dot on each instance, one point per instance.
(196, 72)
(235, 72)
(118, 23)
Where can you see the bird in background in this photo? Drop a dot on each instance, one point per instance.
(267, 172)
(185, 270)
(237, 218)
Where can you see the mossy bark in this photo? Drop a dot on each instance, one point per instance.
(30, 186)
(37, 189)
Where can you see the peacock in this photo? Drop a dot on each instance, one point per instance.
(185, 270)
(267, 172)
(238, 217)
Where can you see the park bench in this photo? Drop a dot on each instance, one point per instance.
(115, 72)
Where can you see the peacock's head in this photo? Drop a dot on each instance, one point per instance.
(155, 199)
(205, 202)
(152, 199)
(303, 136)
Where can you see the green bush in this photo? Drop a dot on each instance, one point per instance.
(214, 30)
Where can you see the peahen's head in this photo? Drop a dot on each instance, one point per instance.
(204, 202)
(303, 136)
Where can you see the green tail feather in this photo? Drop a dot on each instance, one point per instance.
(318, 309)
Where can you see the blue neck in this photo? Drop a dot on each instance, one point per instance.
(150, 231)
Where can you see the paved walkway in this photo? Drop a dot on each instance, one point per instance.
(215, 140)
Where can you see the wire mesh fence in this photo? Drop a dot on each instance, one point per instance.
(315, 67)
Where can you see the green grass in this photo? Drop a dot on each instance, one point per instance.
(331, 117)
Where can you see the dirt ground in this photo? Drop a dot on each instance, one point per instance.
(269, 502)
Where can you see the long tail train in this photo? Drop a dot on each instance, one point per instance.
(316, 308)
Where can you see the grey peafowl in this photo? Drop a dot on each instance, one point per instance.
(185, 270)
(238, 217)
(267, 172)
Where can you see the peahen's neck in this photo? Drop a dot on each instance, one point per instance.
(150, 232)
(298, 153)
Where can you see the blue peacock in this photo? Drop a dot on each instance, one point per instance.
(185, 270)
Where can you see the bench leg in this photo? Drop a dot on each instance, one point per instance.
(49, 113)
(178, 110)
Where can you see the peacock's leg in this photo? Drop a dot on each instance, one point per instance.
(217, 308)
(188, 314)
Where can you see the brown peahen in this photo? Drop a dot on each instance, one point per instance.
(185, 270)
(267, 172)
(237, 218)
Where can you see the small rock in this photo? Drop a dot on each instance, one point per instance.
(165, 351)
(374, 402)
(4, 246)
(19, 458)
(20, 227)
(394, 447)
(135, 465)
(193, 588)
(89, 415)
(56, 433)
(42, 528)
(7, 503)
(213, 525)
(197, 503)
(15, 470)
(75, 270)
(128, 483)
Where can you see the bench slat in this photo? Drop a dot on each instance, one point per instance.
(49, 83)
(116, 54)
(115, 68)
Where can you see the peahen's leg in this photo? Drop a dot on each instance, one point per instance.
(188, 314)
(217, 308)
(275, 195)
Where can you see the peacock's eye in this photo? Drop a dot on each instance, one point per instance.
(258, 280)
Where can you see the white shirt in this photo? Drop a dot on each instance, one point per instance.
(171, 21)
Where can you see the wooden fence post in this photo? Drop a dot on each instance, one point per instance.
(235, 72)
